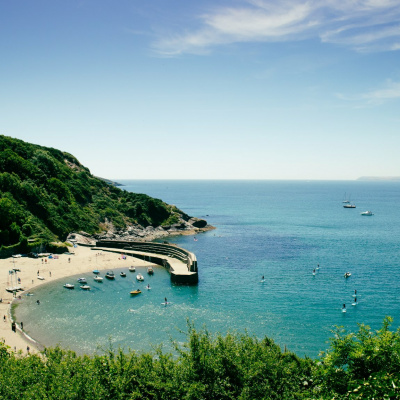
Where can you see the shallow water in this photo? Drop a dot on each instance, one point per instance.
(281, 230)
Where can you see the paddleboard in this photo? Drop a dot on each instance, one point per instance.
(166, 303)
(262, 280)
(343, 310)
(354, 304)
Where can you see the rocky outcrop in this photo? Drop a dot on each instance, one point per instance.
(139, 233)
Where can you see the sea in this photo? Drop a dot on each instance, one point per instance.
(295, 234)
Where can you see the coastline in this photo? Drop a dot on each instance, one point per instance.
(83, 260)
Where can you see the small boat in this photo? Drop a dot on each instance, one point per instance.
(135, 292)
(122, 274)
(69, 286)
(11, 289)
(85, 287)
(349, 206)
(347, 274)
(82, 280)
(110, 275)
(139, 277)
(40, 278)
(368, 213)
(132, 268)
(150, 270)
(98, 278)
(96, 271)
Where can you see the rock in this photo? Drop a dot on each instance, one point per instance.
(198, 223)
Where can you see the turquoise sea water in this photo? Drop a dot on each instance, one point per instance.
(279, 229)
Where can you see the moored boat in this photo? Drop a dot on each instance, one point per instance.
(85, 287)
(349, 206)
(135, 292)
(82, 280)
(96, 271)
(139, 277)
(150, 270)
(122, 274)
(368, 213)
(69, 286)
(110, 275)
(98, 278)
(132, 268)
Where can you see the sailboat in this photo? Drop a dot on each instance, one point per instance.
(345, 199)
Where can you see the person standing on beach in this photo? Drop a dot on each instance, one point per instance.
(22, 325)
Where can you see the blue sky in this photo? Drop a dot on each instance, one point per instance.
(258, 89)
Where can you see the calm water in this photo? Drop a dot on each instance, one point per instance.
(278, 229)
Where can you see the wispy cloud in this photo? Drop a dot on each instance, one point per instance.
(364, 25)
(390, 91)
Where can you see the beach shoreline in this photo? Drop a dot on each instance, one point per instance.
(34, 272)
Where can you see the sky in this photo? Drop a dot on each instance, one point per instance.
(177, 89)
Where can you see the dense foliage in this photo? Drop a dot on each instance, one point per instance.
(46, 193)
(364, 365)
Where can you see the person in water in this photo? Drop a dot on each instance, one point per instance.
(344, 306)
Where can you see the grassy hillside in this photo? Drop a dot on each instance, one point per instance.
(45, 194)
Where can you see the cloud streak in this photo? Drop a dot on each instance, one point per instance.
(363, 25)
(390, 91)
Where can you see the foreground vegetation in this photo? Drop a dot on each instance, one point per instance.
(362, 365)
(45, 194)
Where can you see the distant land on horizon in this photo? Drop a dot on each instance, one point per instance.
(379, 178)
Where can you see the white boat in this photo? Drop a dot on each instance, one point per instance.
(122, 274)
(132, 268)
(150, 270)
(367, 213)
(139, 277)
(82, 280)
(110, 275)
(349, 206)
(69, 286)
(98, 278)
(346, 199)
(41, 278)
(347, 274)
(85, 287)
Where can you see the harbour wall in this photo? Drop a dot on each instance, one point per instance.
(181, 263)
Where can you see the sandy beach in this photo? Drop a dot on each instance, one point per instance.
(39, 271)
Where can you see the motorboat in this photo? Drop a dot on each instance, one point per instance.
(40, 278)
(96, 271)
(347, 274)
(349, 206)
(122, 274)
(98, 278)
(139, 277)
(135, 292)
(368, 213)
(82, 280)
(110, 275)
(85, 287)
(150, 270)
(69, 286)
(132, 268)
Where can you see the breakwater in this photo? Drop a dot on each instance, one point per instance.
(181, 263)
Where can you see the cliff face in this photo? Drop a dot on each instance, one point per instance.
(45, 194)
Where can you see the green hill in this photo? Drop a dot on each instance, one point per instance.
(46, 193)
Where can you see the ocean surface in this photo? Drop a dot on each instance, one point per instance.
(277, 229)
